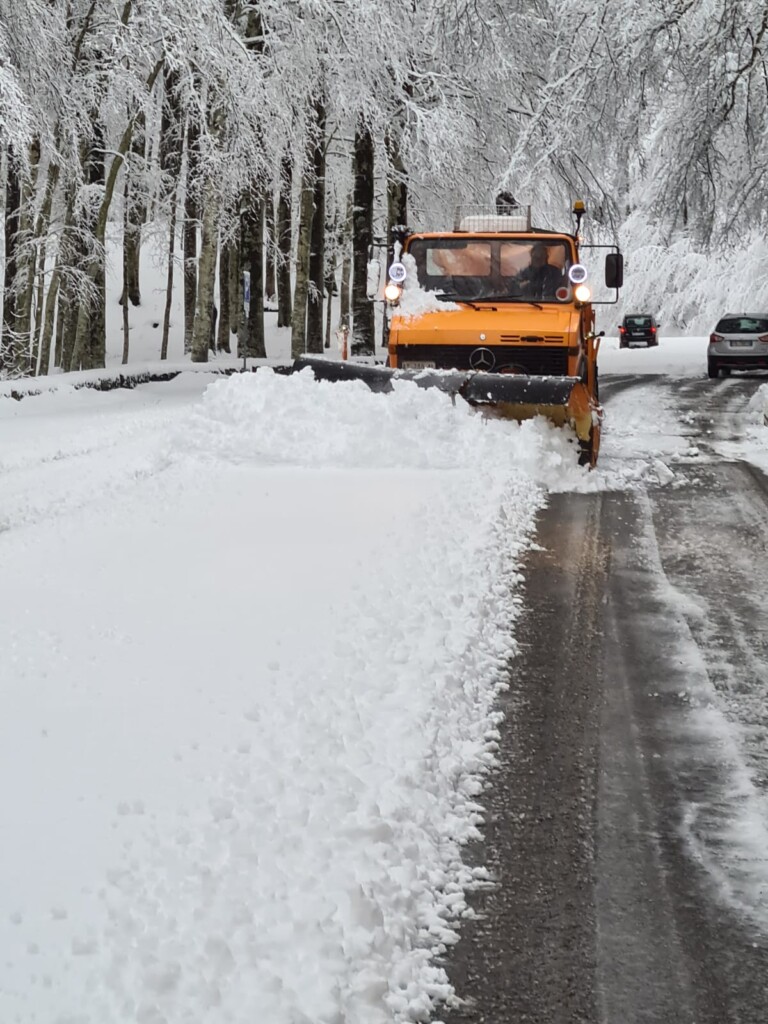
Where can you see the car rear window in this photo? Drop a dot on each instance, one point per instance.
(638, 321)
(742, 325)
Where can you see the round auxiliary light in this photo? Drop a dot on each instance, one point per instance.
(563, 294)
(583, 293)
(397, 272)
(577, 273)
(392, 292)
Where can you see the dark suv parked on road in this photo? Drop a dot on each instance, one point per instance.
(638, 329)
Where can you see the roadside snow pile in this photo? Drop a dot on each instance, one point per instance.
(758, 406)
(257, 763)
(328, 875)
(271, 419)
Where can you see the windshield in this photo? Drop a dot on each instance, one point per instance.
(504, 270)
(742, 325)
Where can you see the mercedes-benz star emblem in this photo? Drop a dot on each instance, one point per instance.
(482, 359)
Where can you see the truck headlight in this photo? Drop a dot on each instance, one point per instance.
(392, 292)
(583, 293)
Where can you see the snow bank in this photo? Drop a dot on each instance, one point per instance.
(267, 418)
(758, 406)
(255, 725)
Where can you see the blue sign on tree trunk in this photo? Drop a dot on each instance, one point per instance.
(246, 291)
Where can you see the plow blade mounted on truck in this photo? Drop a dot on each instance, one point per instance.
(565, 401)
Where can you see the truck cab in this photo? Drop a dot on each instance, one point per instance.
(493, 295)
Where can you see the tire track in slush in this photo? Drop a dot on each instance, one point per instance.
(530, 954)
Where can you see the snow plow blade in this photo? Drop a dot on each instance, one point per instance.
(565, 401)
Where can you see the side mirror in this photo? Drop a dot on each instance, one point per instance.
(614, 270)
(373, 281)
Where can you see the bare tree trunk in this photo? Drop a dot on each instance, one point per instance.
(39, 312)
(171, 147)
(98, 334)
(126, 266)
(126, 325)
(397, 194)
(330, 284)
(12, 221)
(363, 323)
(88, 346)
(235, 290)
(136, 214)
(222, 341)
(284, 230)
(317, 237)
(301, 293)
(214, 310)
(68, 306)
(4, 160)
(47, 323)
(206, 278)
(346, 268)
(58, 355)
(252, 241)
(169, 280)
(41, 353)
(171, 135)
(65, 257)
(27, 251)
(189, 237)
(270, 285)
(252, 341)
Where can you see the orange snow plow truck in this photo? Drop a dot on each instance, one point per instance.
(508, 309)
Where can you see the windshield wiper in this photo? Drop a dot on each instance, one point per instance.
(507, 298)
(453, 297)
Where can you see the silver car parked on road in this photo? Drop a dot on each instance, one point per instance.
(739, 342)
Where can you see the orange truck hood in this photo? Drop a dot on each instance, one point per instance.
(512, 322)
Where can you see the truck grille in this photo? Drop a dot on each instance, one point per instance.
(533, 359)
(517, 339)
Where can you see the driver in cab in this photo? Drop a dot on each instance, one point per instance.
(540, 279)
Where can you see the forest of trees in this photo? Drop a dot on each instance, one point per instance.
(284, 137)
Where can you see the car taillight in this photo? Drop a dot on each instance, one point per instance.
(622, 329)
(763, 337)
(653, 330)
(715, 337)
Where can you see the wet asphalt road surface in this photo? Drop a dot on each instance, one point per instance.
(627, 819)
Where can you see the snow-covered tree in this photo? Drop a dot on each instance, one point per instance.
(296, 133)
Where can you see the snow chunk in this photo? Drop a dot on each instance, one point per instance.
(415, 300)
